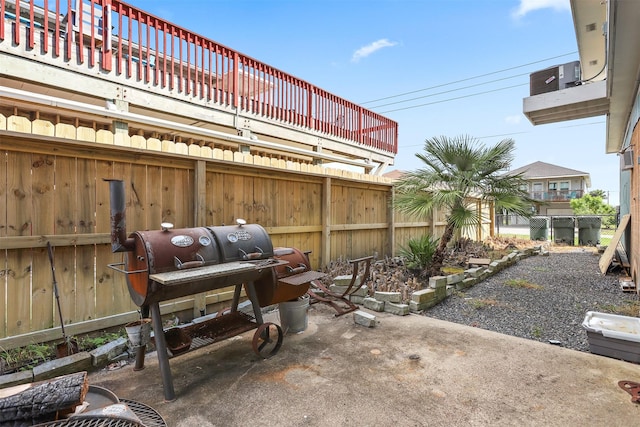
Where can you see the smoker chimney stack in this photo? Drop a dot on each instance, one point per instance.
(119, 241)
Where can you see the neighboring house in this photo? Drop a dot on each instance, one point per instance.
(553, 186)
(608, 34)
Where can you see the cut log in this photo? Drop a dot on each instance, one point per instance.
(43, 398)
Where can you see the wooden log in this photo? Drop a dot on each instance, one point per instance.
(43, 398)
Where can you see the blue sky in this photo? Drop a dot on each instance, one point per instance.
(371, 51)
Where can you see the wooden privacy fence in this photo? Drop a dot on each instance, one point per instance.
(52, 189)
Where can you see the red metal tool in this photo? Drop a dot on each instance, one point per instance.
(631, 387)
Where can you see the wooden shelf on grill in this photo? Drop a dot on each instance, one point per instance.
(178, 277)
(302, 278)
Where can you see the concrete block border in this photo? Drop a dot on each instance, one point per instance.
(441, 287)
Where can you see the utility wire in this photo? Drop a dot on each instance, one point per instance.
(453, 99)
(468, 78)
(515, 133)
(449, 91)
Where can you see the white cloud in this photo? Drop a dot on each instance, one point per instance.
(513, 120)
(365, 51)
(527, 6)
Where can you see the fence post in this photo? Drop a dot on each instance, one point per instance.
(325, 255)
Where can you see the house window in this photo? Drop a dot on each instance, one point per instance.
(524, 187)
(537, 186)
(553, 186)
(565, 185)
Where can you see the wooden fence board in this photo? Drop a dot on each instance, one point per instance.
(188, 196)
(65, 195)
(43, 178)
(65, 260)
(104, 170)
(154, 197)
(86, 196)
(235, 196)
(269, 202)
(135, 190)
(215, 198)
(18, 267)
(244, 204)
(294, 206)
(3, 290)
(85, 283)
(19, 204)
(18, 292)
(3, 202)
(169, 197)
(42, 299)
(105, 281)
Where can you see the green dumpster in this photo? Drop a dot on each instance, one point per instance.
(539, 228)
(563, 229)
(589, 230)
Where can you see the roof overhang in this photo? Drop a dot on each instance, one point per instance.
(609, 60)
(622, 67)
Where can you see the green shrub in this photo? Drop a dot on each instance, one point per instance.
(419, 252)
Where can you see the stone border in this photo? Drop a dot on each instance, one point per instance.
(82, 361)
(440, 287)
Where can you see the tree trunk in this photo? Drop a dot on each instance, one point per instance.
(438, 257)
(44, 398)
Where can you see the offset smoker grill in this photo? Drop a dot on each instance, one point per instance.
(171, 263)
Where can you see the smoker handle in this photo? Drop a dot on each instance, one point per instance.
(300, 269)
(189, 264)
(282, 251)
(117, 268)
(252, 255)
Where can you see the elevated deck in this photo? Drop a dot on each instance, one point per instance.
(117, 67)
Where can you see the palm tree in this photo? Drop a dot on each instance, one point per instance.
(457, 172)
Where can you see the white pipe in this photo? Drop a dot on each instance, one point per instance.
(126, 116)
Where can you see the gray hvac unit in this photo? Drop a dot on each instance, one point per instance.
(626, 159)
(555, 78)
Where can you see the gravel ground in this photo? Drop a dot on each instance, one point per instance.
(563, 287)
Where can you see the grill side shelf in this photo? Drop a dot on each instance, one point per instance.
(208, 272)
(179, 277)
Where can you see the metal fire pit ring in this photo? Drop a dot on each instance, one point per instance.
(149, 416)
(97, 421)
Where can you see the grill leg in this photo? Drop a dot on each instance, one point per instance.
(236, 298)
(163, 357)
(141, 351)
(253, 297)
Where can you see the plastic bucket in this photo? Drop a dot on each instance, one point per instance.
(138, 332)
(293, 314)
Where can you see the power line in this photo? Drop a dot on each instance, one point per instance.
(468, 78)
(453, 99)
(515, 133)
(449, 91)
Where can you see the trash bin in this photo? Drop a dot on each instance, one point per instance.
(589, 230)
(539, 228)
(563, 229)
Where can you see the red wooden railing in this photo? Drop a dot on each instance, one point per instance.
(122, 39)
